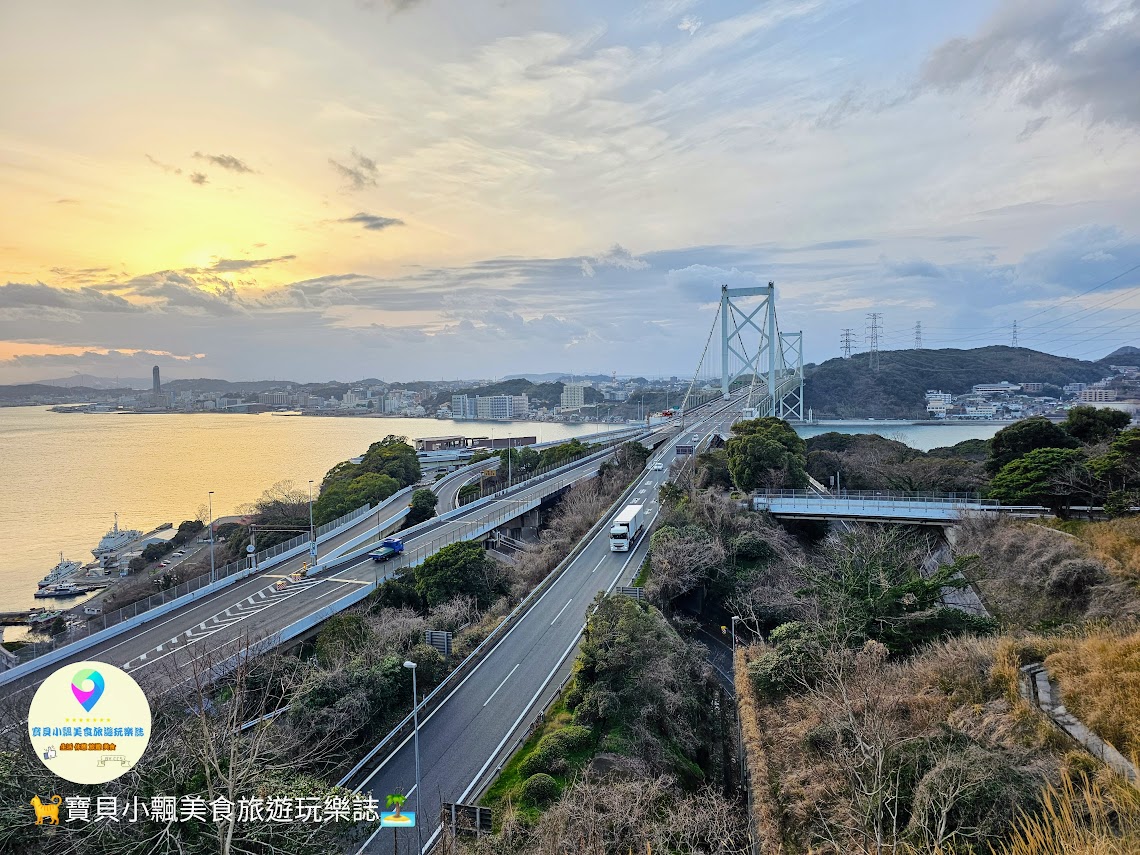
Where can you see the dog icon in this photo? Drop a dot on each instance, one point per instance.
(50, 812)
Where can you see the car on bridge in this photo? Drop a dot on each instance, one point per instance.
(389, 548)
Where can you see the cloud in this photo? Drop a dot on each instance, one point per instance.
(198, 178)
(394, 6)
(1081, 54)
(689, 24)
(17, 295)
(1032, 127)
(229, 265)
(360, 173)
(165, 167)
(225, 161)
(372, 222)
(616, 256)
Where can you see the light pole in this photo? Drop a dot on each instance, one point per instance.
(312, 531)
(735, 618)
(416, 731)
(211, 500)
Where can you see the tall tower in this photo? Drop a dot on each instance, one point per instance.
(918, 335)
(1014, 342)
(157, 384)
(873, 330)
(845, 341)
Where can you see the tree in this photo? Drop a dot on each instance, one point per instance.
(1032, 478)
(1091, 424)
(756, 460)
(341, 497)
(1024, 436)
(459, 569)
(422, 507)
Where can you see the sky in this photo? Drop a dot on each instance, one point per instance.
(424, 189)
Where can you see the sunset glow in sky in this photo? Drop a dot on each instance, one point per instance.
(416, 189)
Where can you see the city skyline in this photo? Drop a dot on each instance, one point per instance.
(427, 189)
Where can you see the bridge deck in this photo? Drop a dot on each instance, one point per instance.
(885, 507)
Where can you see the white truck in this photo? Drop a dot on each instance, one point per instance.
(628, 526)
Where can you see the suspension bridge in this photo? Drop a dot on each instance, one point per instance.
(754, 354)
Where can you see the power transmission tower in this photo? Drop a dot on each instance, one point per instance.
(918, 335)
(845, 341)
(873, 330)
(1015, 333)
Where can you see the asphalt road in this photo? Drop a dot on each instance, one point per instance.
(477, 725)
(219, 624)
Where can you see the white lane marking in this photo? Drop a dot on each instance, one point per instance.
(560, 611)
(599, 564)
(500, 685)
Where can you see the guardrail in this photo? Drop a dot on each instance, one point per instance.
(99, 628)
(863, 495)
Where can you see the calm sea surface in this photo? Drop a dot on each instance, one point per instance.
(66, 475)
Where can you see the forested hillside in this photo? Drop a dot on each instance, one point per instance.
(847, 388)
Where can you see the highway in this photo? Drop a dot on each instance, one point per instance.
(254, 609)
(475, 728)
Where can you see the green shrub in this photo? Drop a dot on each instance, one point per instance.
(553, 750)
(539, 790)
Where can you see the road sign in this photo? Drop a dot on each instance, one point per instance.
(465, 819)
(250, 548)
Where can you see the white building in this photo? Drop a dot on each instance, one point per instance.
(573, 396)
(996, 388)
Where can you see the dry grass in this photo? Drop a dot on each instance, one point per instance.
(964, 689)
(1081, 817)
(1099, 678)
(1116, 543)
(763, 816)
(1030, 575)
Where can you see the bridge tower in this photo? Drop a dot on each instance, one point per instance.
(775, 368)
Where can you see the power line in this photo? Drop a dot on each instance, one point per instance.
(1014, 342)
(918, 335)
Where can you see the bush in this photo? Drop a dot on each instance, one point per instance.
(539, 790)
(552, 751)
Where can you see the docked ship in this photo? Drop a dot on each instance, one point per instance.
(67, 589)
(60, 571)
(115, 539)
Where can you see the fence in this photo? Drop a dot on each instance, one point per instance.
(234, 570)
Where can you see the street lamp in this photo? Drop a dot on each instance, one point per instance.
(211, 500)
(735, 618)
(416, 731)
(312, 531)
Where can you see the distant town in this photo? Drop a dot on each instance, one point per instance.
(1005, 400)
(597, 398)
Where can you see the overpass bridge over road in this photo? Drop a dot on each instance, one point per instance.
(906, 508)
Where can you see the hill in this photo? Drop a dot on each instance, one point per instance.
(1127, 355)
(25, 391)
(847, 388)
